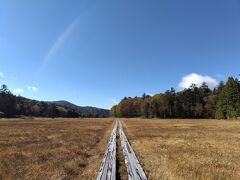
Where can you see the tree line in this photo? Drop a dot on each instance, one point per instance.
(223, 102)
(13, 106)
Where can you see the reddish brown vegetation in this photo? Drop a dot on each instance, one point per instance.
(186, 149)
(52, 149)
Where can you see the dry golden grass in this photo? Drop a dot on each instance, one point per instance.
(121, 171)
(53, 149)
(186, 149)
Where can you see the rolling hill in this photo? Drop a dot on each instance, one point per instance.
(83, 111)
(12, 106)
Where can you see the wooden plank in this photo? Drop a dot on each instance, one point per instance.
(135, 171)
(108, 166)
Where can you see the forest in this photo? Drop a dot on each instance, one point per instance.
(196, 102)
(18, 106)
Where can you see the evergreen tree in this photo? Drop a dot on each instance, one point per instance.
(7, 102)
(228, 104)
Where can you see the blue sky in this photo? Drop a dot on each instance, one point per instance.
(96, 52)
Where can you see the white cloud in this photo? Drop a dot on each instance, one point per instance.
(150, 94)
(1, 74)
(17, 91)
(197, 79)
(32, 88)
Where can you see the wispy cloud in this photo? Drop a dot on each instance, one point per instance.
(220, 77)
(32, 88)
(114, 101)
(18, 91)
(6, 76)
(58, 43)
(197, 79)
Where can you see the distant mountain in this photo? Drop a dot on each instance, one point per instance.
(13, 106)
(83, 111)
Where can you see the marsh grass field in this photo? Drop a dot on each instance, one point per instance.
(52, 149)
(44, 148)
(186, 149)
